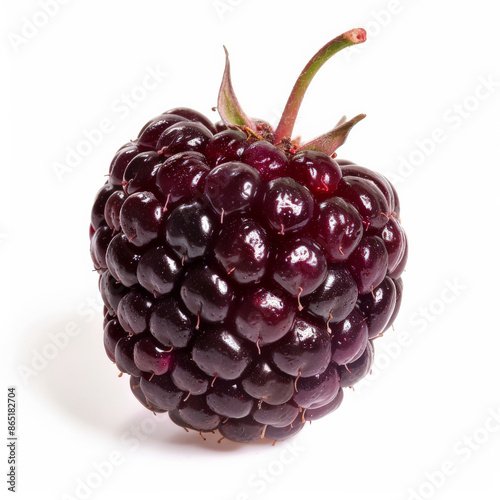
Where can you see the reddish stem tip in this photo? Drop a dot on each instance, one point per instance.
(357, 35)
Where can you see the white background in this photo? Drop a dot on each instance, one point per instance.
(430, 401)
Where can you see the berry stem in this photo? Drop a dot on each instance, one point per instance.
(287, 121)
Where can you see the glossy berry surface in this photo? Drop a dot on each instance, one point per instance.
(244, 277)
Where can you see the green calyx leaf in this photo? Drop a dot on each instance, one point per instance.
(328, 143)
(227, 103)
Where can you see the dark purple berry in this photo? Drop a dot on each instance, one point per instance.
(231, 187)
(181, 176)
(158, 270)
(228, 145)
(120, 162)
(220, 354)
(220, 126)
(398, 283)
(343, 162)
(122, 259)
(97, 214)
(151, 357)
(207, 293)
(316, 171)
(124, 355)
(113, 332)
(183, 136)
(338, 229)
(319, 390)
(112, 291)
(397, 208)
(177, 420)
(304, 351)
(112, 210)
(317, 413)
(133, 312)
(169, 324)
(335, 298)
(394, 238)
(140, 174)
(188, 377)
(108, 316)
(400, 267)
(286, 206)
(368, 263)
(242, 250)
(150, 133)
(266, 383)
(189, 230)
(278, 433)
(242, 430)
(135, 387)
(227, 399)
(276, 415)
(267, 159)
(140, 218)
(379, 180)
(378, 306)
(161, 392)
(264, 316)
(349, 337)
(367, 199)
(197, 413)
(194, 116)
(352, 373)
(98, 247)
(300, 267)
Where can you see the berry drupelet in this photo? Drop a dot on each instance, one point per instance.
(245, 275)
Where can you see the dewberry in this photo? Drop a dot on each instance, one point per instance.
(245, 273)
